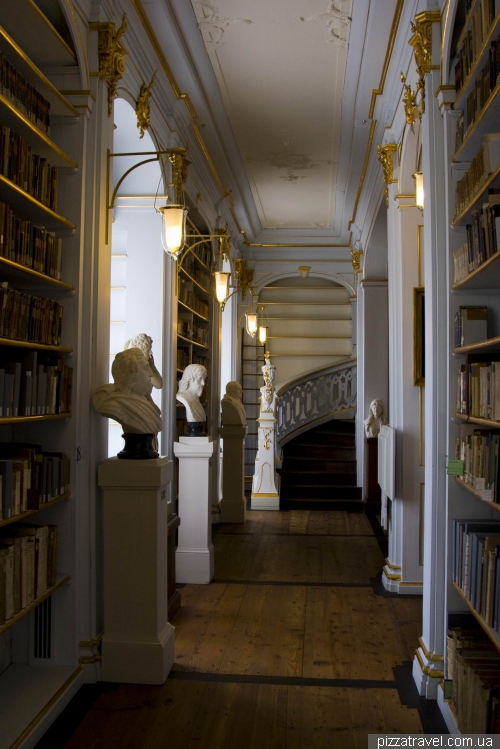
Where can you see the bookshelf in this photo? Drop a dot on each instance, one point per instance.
(194, 314)
(40, 273)
(474, 279)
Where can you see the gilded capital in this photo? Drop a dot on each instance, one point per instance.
(385, 156)
(224, 242)
(356, 260)
(179, 172)
(244, 276)
(409, 101)
(111, 56)
(143, 108)
(421, 41)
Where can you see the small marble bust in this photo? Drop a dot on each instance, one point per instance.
(128, 400)
(233, 411)
(268, 370)
(376, 418)
(145, 344)
(191, 387)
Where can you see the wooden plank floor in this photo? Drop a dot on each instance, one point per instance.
(259, 652)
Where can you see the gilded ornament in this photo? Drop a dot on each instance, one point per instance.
(143, 108)
(385, 158)
(179, 174)
(409, 101)
(356, 260)
(244, 276)
(111, 56)
(267, 438)
(421, 41)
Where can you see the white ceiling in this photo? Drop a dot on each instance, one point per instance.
(280, 66)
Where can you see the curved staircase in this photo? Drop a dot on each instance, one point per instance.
(319, 469)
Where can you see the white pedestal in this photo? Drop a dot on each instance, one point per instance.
(138, 642)
(233, 504)
(265, 495)
(194, 558)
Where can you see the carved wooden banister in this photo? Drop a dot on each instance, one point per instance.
(315, 397)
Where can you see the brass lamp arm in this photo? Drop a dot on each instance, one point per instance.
(204, 238)
(236, 289)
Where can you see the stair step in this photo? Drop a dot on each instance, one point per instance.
(315, 465)
(341, 491)
(353, 505)
(322, 439)
(319, 452)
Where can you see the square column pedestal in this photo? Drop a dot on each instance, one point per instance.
(233, 505)
(138, 643)
(194, 558)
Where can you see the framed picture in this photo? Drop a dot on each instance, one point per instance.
(419, 336)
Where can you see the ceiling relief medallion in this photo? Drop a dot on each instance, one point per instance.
(212, 25)
(293, 162)
(336, 22)
(293, 178)
(385, 156)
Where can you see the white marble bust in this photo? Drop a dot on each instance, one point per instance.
(190, 389)
(376, 418)
(128, 400)
(233, 411)
(145, 344)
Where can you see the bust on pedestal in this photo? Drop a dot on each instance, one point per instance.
(233, 432)
(195, 552)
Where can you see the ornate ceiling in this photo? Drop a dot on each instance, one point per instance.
(280, 66)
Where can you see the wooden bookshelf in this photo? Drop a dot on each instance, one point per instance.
(491, 344)
(41, 144)
(43, 506)
(28, 278)
(467, 487)
(197, 283)
(466, 24)
(196, 314)
(33, 419)
(494, 637)
(26, 23)
(13, 343)
(479, 62)
(486, 276)
(193, 343)
(486, 122)
(63, 580)
(28, 207)
(488, 423)
(465, 215)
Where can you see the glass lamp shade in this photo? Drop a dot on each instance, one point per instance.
(221, 286)
(262, 334)
(173, 228)
(304, 270)
(419, 190)
(251, 323)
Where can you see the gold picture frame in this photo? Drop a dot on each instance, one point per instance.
(419, 336)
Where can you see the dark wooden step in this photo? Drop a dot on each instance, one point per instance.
(315, 465)
(340, 491)
(339, 505)
(320, 452)
(324, 439)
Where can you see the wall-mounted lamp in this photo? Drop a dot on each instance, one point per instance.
(244, 280)
(419, 189)
(173, 228)
(262, 334)
(251, 323)
(304, 270)
(222, 287)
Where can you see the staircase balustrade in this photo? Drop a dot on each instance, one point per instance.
(315, 397)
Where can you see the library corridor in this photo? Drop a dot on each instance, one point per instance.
(294, 644)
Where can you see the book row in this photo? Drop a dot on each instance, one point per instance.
(483, 237)
(478, 393)
(474, 672)
(199, 275)
(24, 96)
(195, 333)
(480, 25)
(30, 477)
(479, 453)
(187, 296)
(203, 360)
(484, 84)
(182, 358)
(476, 566)
(24, 317)
(28, 565)
(484, 163)
(29, 245)
(471, 325)
(204, 253)
(30, 172)
(28, 388)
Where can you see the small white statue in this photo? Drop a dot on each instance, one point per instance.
(268, 370)
(233, 411)
(376, 418)
(128, 400)
(190, 389)
(145, 344)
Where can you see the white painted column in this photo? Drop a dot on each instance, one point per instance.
(265, 495)
(428, 662)
(138, 643)
(233, 504)
(194, 558)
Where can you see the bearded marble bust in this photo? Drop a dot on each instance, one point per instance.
(233, 411)
(190, 389)
(127, 400)
(145, 344)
